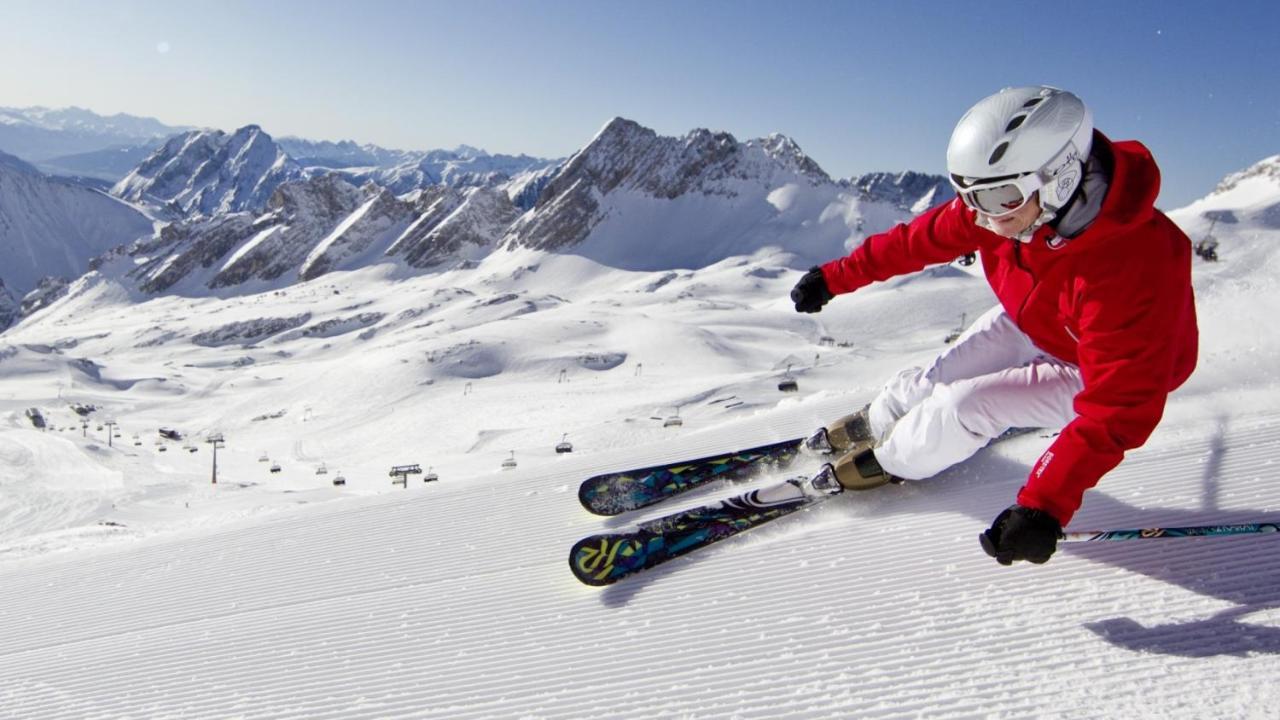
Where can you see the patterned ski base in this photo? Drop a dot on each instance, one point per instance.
(619, 492)
(606, 558)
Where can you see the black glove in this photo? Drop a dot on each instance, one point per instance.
(1021, 533)
(811, 293)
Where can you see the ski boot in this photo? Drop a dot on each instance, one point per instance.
(859, 470)
(849, 433)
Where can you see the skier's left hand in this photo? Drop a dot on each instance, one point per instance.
(1021, 533)
(811, 293)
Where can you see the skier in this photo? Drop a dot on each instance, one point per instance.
(1095, 326)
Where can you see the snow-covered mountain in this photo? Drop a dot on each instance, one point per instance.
(283, 595)
(312, 227)
(39, 134)
(343, 154)
(208, 172)
(634, 199)
(50, 226)
(403, 171)
(629, 199)
(910, 190)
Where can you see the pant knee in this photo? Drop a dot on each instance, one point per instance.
(974, 410)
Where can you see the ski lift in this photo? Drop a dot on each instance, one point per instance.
(190, 448)
(264, 458)
(99, 428)
(339, 481)
(788, 383)
(673, 421)
(1207, 247)
(955, 334)
(164, 448)
(564, 446)
(275, 468)
(137, 440)
(431, 476)
(510, 463)
(322, 470)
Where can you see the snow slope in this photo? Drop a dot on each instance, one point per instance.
(283, 596)
(50, 226)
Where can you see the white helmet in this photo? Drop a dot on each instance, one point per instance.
(1016, 142)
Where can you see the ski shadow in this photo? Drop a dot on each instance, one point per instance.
(1250, 580)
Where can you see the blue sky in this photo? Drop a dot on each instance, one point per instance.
(860, 85)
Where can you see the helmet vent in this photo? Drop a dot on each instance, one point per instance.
(998, 153)
(1032, 102)
(1015, 123)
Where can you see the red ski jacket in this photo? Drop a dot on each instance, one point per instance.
(1115, 300)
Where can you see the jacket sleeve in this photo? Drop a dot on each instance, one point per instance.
(1126, 321)
(939, 235)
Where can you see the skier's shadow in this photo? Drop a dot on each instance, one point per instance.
(1252, 583)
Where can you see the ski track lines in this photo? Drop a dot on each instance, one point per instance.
(457, 603)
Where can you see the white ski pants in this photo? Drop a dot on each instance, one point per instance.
(993, 378)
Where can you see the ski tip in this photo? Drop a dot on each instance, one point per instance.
(589, 495)
(600, 560)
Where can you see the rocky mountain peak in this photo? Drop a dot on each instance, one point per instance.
(912, 191)
(207, 172)
(1268, 169)
(625, 157)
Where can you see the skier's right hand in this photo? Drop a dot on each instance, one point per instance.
(811, 293)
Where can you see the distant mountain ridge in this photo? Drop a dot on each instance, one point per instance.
(53, 139)
(54, 227)
(246, 214)
(630, 198)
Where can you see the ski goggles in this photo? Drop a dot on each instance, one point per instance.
(999, 196)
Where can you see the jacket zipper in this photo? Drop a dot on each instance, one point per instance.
(1017, 259)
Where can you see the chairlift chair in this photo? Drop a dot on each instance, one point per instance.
(510, 463)
(322, 470)
(673, 421)
(264, 458)
(275, 468)
(788, 383)
(339, 480)
(431, 476)
(564, 446)
(955, 334)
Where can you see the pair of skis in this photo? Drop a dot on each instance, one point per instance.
(608, 557)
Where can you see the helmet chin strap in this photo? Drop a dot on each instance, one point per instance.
(1047, 211)
(1045, 216)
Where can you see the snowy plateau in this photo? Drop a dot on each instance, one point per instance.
(342, 328)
